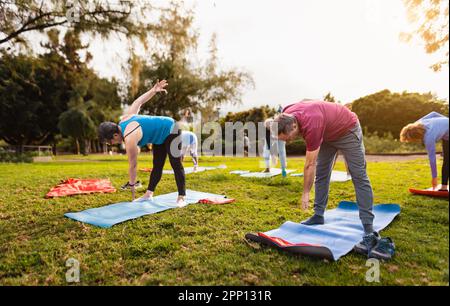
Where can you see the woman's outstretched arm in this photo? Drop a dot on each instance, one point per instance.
(136, 106)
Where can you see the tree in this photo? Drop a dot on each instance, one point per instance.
(84, 16)
(36, 90)
(330, 98)
(385, 112)
(198, 87)
(76, 123)
(432, 26)
(255, 115)
(33, 92)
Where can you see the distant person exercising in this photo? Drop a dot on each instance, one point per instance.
(429, 130)
(273, 148)
(189, 143)
(139, 130)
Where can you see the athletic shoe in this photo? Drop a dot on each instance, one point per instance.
(181, 203)
(384, 249)
(367, 244)
(127, 186)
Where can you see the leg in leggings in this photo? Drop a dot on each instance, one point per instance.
(174, 152)
(159, 159)
(445, 165)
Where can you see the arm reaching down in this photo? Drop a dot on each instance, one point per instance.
(309, 176)
(131, 146)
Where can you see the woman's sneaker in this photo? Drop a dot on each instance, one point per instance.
(127, 185)
(384, 249)
(367, 244)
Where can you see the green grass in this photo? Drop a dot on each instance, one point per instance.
(204, 245)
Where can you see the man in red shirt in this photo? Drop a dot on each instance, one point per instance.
(326, 128)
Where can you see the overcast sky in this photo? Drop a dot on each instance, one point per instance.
(297, 49)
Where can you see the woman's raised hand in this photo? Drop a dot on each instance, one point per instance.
(160, 86)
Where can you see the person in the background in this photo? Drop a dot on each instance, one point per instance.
(189, 143)
(247, 145)
(138, 130)
(431, 129)
(326, 128)
(345, 163)
(274, 147)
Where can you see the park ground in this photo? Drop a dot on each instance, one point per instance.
(200, 244)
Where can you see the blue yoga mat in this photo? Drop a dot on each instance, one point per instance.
(190, 170)
(110, 215)
(340, 233)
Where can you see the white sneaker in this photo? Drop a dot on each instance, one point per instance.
(181, 203)
(144, 198)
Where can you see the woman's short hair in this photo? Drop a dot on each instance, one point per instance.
(283, 124)
(413, 132)
(106, 131)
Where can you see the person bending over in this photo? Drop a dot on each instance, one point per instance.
(138, 131)
(326, 128)
(431, 129)
(274, 147)
(189, 143)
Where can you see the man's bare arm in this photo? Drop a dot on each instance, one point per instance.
(310, 170)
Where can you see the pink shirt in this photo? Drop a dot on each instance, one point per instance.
(321, 121)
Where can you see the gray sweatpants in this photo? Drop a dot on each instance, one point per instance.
(352, 147)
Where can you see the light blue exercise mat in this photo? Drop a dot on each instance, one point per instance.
(336, 176)
(273, 172)
(340, 233)
(190, 170)
(110, 215)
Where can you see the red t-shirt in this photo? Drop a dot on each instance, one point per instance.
(321, 121)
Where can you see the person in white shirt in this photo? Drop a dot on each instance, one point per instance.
(189, 142)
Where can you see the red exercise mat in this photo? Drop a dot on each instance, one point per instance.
(217, 201)
(76, 186)
(429, 192)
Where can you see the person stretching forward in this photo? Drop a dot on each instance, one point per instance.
(138, 130)
(326, 128)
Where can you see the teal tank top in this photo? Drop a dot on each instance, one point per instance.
(155, 129)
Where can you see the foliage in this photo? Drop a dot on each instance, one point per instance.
(35, 91)
(13, 157)
(431, 20)
(385, 112)
(255, 115)
(376, 144)
(195, 86)
(93, 17)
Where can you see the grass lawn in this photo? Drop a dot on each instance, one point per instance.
(204, 245)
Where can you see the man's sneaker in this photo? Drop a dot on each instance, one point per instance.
(127, 186)
(367, 244)
(384, 249)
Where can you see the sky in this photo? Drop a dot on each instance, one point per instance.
(296, 49)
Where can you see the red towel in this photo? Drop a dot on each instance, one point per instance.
(216, 201)
(146, 169)
(76, 186)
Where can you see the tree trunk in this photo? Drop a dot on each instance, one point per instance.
(78, 146)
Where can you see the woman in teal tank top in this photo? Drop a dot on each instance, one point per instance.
(139, 130)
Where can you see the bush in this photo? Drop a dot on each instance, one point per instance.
(376, 144)
(297, 147)
(13, 157)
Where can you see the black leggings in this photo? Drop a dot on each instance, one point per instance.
(159, 159)
(445, 164)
